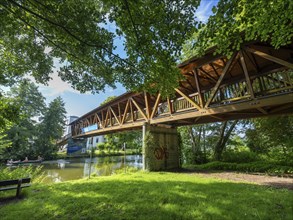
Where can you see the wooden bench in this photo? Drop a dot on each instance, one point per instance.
(15, 184)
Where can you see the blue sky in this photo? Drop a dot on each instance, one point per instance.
(78, 104)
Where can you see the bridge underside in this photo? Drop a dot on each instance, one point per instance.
(254, 82)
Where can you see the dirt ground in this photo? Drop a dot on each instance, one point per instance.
(274, 181)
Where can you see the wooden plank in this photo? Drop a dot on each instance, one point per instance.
(206, 73)
(100, 122)
(110, 116)
(139, 109)
(156, 106)
(170, 106)
(125, 112)
(250, 89)
(147, 106)
(119, 112)
(188, 99)
(106, 119)
(131, 111)
(269, 57)
(201, 98)
(216, 87)
(115, 116)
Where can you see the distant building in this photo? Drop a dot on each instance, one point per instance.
(93, 141)
(68, 121)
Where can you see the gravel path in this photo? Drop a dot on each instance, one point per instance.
(277, 182)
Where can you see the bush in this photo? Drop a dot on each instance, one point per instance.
(239, 155)
(35, 173)
(261, 167)
(101, 146)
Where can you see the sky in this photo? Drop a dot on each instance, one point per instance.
(79, 104)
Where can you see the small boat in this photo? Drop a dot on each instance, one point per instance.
(28, 162)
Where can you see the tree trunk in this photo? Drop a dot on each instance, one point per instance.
(220, 146)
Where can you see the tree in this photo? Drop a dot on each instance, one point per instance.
(9, 111)
(272, 136)
(51, 129)
(236, 21)
(203, 142)
(23, 132)
(225, 133)
(77, 33)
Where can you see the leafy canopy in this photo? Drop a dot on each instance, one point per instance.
(236, 21)
(34, 32)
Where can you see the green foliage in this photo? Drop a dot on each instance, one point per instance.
(272, 137)
(9, 111)
(101, 146)
(236, 21)
(35, 173)
(83, 36)
(143, 195)
(239, 155)
(262, 167)
(50, 129)
(200, 142)
(37, 127)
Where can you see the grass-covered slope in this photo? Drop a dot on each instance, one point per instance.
(150, 196)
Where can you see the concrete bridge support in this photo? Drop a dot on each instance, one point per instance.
(160, 148)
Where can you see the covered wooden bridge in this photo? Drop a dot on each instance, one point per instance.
(255, 81)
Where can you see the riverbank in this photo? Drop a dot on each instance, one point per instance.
(144, 195)
(98, 153)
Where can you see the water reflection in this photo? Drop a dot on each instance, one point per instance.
(77, 168)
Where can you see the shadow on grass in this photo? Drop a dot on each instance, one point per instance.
(163, 196)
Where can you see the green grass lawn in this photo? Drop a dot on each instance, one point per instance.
(150, 196)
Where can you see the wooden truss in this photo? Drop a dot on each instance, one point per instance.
(255, 81)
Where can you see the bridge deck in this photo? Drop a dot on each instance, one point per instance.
(255, 81)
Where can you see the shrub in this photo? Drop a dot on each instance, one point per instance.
(35, 173)
(262, 167)
(101, 146)
(239, 155)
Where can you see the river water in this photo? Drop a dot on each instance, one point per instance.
(77, 168)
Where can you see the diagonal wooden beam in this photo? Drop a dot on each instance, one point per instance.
(125, 112)
(147, 105)
(210, 76)
(188, 99)
(155, 108)
(269, 57)
(211, 64)
(119, 112)
(244, 67)
(105, 122)
(115, 116)
(196, 79)
(100, 122)
(131, 111)
(139, 109)
(225, 70)
(110, 116)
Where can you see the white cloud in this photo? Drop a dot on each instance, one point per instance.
(56, 87)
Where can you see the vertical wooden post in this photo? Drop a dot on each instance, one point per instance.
(18, 191)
